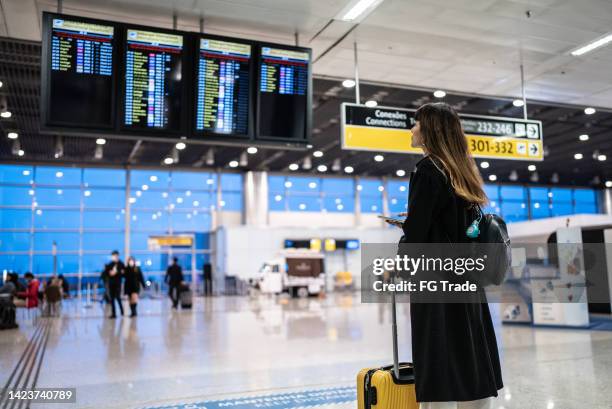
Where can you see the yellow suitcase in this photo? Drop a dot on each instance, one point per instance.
(387, 387)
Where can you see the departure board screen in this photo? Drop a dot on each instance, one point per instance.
(283, 93)
(153, 81)
(223, 87)
(81, 77)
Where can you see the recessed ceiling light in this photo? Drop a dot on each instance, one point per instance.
(600, 42)
(322, 168)
(168, 161)
(233, 164)
(59, 174)
(252, 150)
(492, 178)
(288, 184)
(21, 152)
(379, 158)
(348, 83)
(294, 166)
(180, 146)
(531, 168)
(12, 135)
(317, 154)
(278, 198)
(400, 172)
(348, 169)
(602, 158)
(578, 156)
(584, 137)
(608, 183)
(371, 103)
(484, 164)
(6, 114)
(100, 141)
(518, 103)
(439, 93)
(589, 110)
(153, 178)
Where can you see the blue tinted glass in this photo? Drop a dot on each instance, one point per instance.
(150, 221)
(538, 194)
(66, 264)
(561, 195)
(585, 207)
(57, 219)
(276, 183)
(103, 177)
(540, 210)
(397, 188)
(58, 176)
(585, 195)
(305, 203)
(94, 263)
(12, 241)
(370, 187)
(138, 241)
(398, 204)
(512, 192)
(154, 179)
(17, 263)
(188, 222)
(103, 219)
(104, 198)
(51, 196)
(232, 201)
(492, 191)
(276, 201)
(192, 200)
(344, 186)
(43, 241)
(15, 196)
(231, 181)
(193, 180)
(16, 174)
(153, 262)
(103, 241)
(513, 211)
(15, 218)
(339, 203)
(371, 204)
(304, 184)
(562, 209)
(150, 199)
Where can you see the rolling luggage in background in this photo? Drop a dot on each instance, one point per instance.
(185, 296)
(387, 387)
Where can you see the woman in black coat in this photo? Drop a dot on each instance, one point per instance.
(133, 280)
(454, 349)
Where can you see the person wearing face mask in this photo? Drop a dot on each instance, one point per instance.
(112, 275)
(133, 280)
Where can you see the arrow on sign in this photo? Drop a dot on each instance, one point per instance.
(534, 149)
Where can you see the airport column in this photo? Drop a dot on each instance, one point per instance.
(606, 201)
(255, 206)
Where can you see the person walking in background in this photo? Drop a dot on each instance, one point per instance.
(112, 275)
(29, 297)
(65, 286)
(174, 279)
(10, 285)
(133, 281)
(207, 278)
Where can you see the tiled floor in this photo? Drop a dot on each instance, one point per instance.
(230, 347)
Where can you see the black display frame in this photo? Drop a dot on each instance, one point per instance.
(186, 86)
(216, 136)
(308, 128)
(45, 72)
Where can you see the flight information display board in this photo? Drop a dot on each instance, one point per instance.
(80, 87)
(284, 93)
(153, 81)
(223, 87)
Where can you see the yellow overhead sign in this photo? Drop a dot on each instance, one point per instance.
(387, 129)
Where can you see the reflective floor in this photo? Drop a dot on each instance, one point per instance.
(229, 347)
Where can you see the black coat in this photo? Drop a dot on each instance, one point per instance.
(174, 275)
(113, 281)
(133, 280)
(454, 349)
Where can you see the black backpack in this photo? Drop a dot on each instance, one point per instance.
(495, 242)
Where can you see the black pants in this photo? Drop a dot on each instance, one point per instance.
(114, 294)
(174, 293)
(207, 286)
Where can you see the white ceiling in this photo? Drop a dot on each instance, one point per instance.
(461, 45)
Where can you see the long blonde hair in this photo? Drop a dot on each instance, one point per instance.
(444, 141)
